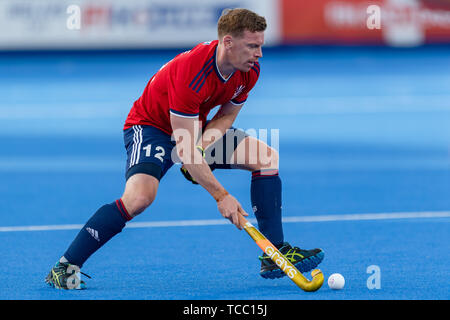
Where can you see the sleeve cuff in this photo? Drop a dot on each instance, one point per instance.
(184, 114)
(237, 103)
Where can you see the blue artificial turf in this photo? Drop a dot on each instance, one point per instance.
(361, 131)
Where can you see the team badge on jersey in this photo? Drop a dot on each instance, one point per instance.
(238, 91)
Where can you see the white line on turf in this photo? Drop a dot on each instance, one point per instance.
(216, 222)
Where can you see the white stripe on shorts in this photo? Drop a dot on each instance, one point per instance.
(133, 150)
(140, 144)
(137, 142)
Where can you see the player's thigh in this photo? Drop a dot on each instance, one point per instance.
(238, 150)
(149, 152)
(219, 155)
(254, 154)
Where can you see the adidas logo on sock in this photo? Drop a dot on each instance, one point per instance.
(93, 233)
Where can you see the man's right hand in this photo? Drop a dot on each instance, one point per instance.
(231, 209)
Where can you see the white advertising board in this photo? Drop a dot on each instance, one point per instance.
(120, 24)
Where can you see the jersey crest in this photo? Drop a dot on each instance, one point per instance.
(238, 91)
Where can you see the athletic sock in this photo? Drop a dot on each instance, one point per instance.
(265, 194)
(106, 222)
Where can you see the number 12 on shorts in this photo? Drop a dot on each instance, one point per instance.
(160, 152)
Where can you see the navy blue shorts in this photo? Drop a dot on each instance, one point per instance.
(151, 150)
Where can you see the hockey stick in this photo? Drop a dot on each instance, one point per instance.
(284, 264)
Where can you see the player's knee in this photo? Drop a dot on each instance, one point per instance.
(139, 194)
(267, 159)
(139, 203)
(274, 159)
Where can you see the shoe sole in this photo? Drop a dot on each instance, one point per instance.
(304, 265)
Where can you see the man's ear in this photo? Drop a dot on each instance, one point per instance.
(228, 41)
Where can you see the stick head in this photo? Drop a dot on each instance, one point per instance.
(316, 282)
(284, 264)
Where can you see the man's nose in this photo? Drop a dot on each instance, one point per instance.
(259, 53)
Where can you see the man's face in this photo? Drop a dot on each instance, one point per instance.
(246, 50)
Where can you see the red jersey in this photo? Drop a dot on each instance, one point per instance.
(190, 85)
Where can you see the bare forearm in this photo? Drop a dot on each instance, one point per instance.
(203, 175)
(215, 129)
(195, 164)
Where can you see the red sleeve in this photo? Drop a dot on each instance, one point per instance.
(252, 78)
(183, 101)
